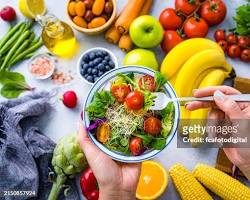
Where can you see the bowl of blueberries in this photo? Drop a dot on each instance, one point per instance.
(95, 62)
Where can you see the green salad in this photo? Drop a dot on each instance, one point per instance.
(121, 118)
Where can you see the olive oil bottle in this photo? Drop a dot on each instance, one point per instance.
(58, 36)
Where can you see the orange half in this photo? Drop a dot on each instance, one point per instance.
(153, 181)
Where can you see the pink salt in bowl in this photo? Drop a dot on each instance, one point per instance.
(41, 66)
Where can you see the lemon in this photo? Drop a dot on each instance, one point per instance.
(153, 181)
(32, 8)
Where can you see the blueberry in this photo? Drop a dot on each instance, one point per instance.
(99, 60)
(104, 62)
(104, 53)
(85, 66)
(95, 79)
(107, 58)
(94, 71)
(89, 71)
(99, 54)
(101, 67)
(90, 79)
(95, 62)
(91, 55)
(82, 72)
(85, 76)
(111, 64)
(85, 58)
(100, 73)
(107, 67)
(91, 64)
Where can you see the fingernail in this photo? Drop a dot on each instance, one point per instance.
(186, 104)
(194, 90)
(218, 95)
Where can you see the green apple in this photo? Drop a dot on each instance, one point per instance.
(143, 57)
(146, 32)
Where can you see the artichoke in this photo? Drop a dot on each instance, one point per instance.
(68, 160)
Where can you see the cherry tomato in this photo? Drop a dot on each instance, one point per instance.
(94, 195)
(195, 27)
(170, 40)
(170, 20)
(88, 185)
(152, 126)
(147, 82)
(223, 45)
(245, 55)
(120, 92)
(234, 51)
(213, 11)
(232, 38)
(244, 41)
(136, 146)
(186, 6)
(135, 100)
(219, 34)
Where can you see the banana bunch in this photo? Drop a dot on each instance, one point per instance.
(195, 63)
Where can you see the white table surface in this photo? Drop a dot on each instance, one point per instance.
(62, 121)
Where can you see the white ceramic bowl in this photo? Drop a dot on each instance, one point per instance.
(49, 58)
(113, 57)
(100, 84)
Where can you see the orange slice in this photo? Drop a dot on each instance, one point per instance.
(153, 181)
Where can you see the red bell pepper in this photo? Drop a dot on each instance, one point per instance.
(89, 185)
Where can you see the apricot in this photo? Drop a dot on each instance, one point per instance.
(98, 7)
(97, 22)
(80, 8)
(79, 21)
(71, 8)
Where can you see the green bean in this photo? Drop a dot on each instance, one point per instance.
(19, 50)
(35, 41)
(10, 33)
(26, 52)
(32, 36)
(11, 41)
(14, 48)
(29, 55)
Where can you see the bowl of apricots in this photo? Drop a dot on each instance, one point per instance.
(91, 16)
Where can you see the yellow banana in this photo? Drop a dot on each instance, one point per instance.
(214, 77)
(193, 68)
(182, 52)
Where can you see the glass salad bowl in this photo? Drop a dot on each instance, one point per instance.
(122, 127)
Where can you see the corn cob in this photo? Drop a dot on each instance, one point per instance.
(187, 186)
(220, 183)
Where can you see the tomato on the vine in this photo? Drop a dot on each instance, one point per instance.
(170, 40)
(194, 27)
(219, 34)
(187, 7)
(223, 45)
(136, 146)
(245, 55)
(232, 38)
(170, 20)
(244, 41)
(234, 51)
(134, 100)
(147, 82)
(213, 11)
